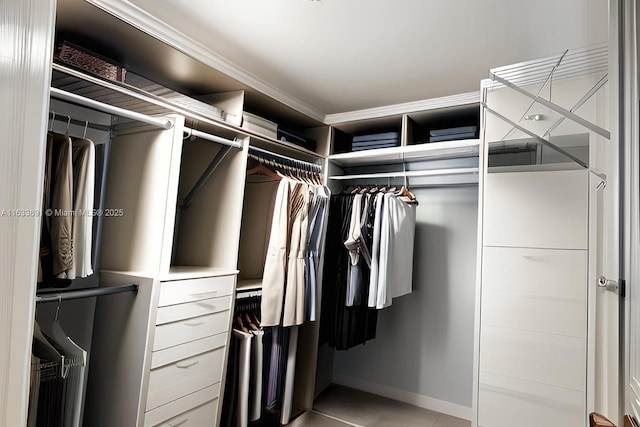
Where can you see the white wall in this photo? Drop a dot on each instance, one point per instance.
(423, 351)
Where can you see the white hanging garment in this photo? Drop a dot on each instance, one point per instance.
(83, 196)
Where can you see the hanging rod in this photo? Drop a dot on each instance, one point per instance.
(210, 137)
(106, 108)
(55, 296)
(257, 151)
(78, 122)
(409, 174)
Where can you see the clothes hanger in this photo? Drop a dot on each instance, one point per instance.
(53, 119)
(260, 169)
(86, 125)
(66, 132)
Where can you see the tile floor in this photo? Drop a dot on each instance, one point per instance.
(357, 408)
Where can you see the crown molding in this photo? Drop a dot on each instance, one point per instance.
(404, 108)
(144, 21)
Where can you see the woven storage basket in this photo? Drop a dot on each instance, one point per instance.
(92, 63)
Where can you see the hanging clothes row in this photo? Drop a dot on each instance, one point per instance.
(369, 261)
(67, 214)
(244, 389)
(57, 377)
(289, 280)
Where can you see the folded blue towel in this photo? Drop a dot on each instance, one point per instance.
(453, 131)
(376, 137)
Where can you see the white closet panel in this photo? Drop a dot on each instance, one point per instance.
(544, 358)
(172, 381)
(544, 209)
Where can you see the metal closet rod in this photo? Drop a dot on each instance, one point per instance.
(210, 137)
(55, 296)
(409, 174)
(258, 151)
(106, 108)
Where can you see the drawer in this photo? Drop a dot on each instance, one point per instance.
(173, 313)
(179, 352)
(508, 402)
(553, 360)
(176, 333)
(202, 416)
(536, 209)
(178, 379)
(173, 409)
(181, 291)
(518, 284)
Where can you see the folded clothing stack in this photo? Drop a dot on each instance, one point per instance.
(450, 134)
(296, 138)
(378, 140)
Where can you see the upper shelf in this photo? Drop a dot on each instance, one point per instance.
(413, 153)
(138, 100)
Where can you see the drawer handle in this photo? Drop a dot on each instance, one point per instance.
(179, 423)
(208, 306)
(193, 323)
(188, 365)
(205, 294)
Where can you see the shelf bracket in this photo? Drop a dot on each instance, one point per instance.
(205, 177)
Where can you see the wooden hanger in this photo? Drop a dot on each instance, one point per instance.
(260, 169)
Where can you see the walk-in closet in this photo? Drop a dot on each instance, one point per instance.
(213, 228)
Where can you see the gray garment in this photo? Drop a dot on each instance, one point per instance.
(317, 231)
(62, 204)
(257, 355)
(244, 373)
(375, 251)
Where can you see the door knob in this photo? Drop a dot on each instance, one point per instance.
(608, 284)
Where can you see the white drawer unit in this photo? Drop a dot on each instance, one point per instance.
(182, 291)
(172, 381)
(534, 299)
(178, 409)
(183, 331)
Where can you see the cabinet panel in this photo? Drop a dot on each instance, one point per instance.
(176, 333)
(183, 377)
(536, 209)
(171, 410)
(177, 312)
(544, 358)
(182, 291)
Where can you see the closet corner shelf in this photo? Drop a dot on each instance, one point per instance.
(427, 151)
(190, 272)
(249, 285)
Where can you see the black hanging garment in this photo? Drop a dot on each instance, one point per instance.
(343, 327)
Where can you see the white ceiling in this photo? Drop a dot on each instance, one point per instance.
(345, 55)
